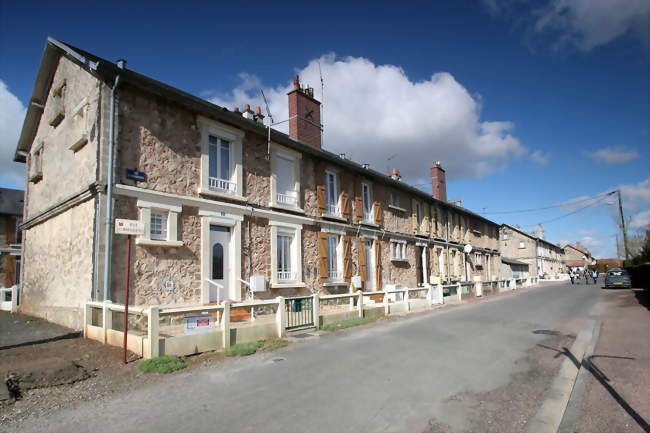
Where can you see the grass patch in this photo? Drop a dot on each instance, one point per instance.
(348, 324)
(161, 364)
(276, 343)
(245, 349)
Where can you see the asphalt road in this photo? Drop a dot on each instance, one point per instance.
(473, 367)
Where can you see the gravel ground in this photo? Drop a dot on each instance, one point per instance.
(108, 376)
(622, 355)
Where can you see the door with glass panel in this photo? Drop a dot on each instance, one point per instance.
(219, 262)
(370, 267)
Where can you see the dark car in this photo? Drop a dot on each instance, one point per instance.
(617, 278)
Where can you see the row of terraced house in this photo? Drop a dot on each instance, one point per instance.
(224, 200)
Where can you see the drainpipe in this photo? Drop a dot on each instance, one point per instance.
(108, 247)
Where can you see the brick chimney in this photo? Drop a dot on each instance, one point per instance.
(438, 181)
(304, 115)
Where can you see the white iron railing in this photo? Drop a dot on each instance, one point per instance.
(222, 185)
(286, 276)
(332, 209)
(288, 199)
(334, 275)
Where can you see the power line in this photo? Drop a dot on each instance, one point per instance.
(600, 196)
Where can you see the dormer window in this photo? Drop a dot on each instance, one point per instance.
(220, 166)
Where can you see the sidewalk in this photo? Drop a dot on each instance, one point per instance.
(616, 392)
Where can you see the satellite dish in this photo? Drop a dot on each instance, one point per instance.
(467, 248)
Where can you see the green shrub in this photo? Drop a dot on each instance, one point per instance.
(161, 364)
(348, 324)
(244, 349)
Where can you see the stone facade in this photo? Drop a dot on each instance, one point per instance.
(516, 244)
(58, 271)
(166, 134)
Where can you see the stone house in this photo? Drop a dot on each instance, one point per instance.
(577, 257)
(226, 202)
(513, 269)
(550, 259)
(11, 212)
(516, 244)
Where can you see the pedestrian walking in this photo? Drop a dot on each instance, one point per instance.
(586, 274)
(594, 275)
(572, 275)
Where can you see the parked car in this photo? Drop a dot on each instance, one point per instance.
(617, 278)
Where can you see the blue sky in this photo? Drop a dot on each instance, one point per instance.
(526, 104)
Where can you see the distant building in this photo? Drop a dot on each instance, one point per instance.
(577, 257)
(11, 211)
(604, 264)
(544, 259)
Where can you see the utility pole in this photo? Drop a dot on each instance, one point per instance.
(620, 209)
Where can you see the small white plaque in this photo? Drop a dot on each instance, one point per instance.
(128, 227)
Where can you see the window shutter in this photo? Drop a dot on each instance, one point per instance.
(459, 264)
(425, 219)
(322, 257)
(345, 205)
(378, 282)
(436, 263)
(414, 216)
(434, 221)
(363, 271)
(358, 209)
(445, 260)
(347, 259)
(320, 198)
(378, 213)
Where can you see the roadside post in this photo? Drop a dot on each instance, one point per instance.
(128, 228)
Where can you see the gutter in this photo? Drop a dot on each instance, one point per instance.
(108, 240)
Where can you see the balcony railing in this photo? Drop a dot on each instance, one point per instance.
(332, 209)
(286, 276)
(288, 199)
(222, 185)
(334, 275)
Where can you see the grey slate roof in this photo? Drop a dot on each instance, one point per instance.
(11, 201)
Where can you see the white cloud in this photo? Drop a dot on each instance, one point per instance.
(584, 24)
(640, 221)
(372, 112)
(613, 155)
(540, 157)
(12, 114)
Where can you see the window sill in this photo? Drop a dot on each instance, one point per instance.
(397, 208)
(208, 193)
(399, 260)
(295, 285)
(288, 208)
(368, 223)
(335, 283)
(155, 243)
(334, 217)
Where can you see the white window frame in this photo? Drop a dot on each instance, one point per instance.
(522, 245)
(172, 212)
(235, 137)
(295, 158)
(295, 231)
(163, 215)
(336, 206)
(366, 193)
(398, 250)
(337, 259)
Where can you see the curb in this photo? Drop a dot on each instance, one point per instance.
(69, 335)
(573, 409)
(550, 415)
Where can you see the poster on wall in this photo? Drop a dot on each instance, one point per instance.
(199, 323)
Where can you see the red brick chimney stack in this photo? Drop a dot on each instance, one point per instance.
(438, 181)
(304, 115)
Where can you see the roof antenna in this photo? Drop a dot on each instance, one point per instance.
(322, 105)
(268, 139)
(268, 112)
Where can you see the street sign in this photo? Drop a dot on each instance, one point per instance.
(138, 176)
(128, 227)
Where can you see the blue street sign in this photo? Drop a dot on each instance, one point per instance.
(138, 176)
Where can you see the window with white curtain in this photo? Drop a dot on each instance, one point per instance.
(285, 271)
(158, 225)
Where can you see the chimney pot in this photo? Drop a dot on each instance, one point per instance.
(258, 110)
(236, 109)
(248, 107)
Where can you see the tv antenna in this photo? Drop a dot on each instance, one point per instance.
(322, 104)
(268, 111)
